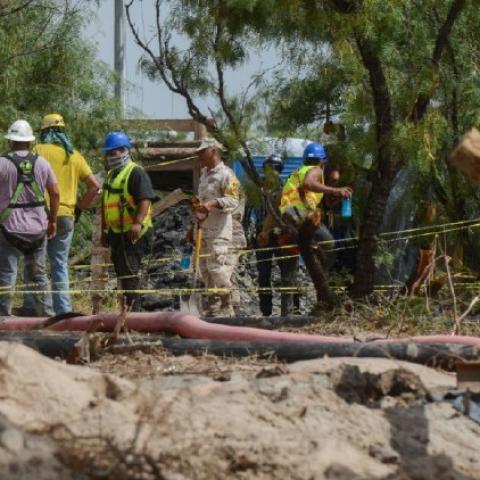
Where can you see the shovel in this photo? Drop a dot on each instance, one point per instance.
(191, 305)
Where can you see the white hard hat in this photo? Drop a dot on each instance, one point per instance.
(209, 142)
(20, 131)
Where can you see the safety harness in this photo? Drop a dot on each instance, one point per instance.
(297, 202)
(119, 205)
(25, 178)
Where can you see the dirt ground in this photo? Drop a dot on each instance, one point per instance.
(154, 416)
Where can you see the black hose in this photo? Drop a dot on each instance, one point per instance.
(444, 356)
(435, 355)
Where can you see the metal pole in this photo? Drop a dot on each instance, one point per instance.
(119, 63)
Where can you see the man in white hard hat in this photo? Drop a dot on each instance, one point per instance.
(219, 194)
(71, 169)
(25, 221)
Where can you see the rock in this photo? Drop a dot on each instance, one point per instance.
(12, 439)
(181, 277)
(170, 228)
(355, 386)
(276, 392)
(273, 371)
(384, 453)
(157, 303)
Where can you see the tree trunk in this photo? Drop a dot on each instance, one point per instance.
(387, 166)
(386, 170)
(367, 246)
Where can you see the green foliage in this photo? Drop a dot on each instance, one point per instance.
(329, 71)
(47, 66)
(324, 76)
(253, 195)
(384, 257)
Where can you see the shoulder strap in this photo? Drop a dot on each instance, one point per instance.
(25, 176)
(110, 180)
(17, 160)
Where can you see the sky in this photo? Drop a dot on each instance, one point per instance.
(153, 99)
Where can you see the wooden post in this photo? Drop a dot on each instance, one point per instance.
(99, 270)
(200, 132)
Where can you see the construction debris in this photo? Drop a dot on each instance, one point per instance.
(466, 156)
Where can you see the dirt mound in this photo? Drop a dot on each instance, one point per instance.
(205, 418)
(27, 456)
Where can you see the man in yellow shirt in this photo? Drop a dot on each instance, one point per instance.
(70, 168)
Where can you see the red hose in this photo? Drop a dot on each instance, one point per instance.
(189, 326)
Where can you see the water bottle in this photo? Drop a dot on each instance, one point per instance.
(346, 211)
(185, 262)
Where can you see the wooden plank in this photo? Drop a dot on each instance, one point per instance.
(179, 125)
(146, 153)
(178, 166)
(168, 144)
(466, 156)
(468, 375)
(169, 200)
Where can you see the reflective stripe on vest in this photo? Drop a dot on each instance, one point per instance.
(119, 208)
(295, 195)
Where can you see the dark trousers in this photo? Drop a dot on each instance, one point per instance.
(127, 259)
(288, 273)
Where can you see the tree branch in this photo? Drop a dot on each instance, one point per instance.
(177, 82)
(6, 12)
(247, 162)
(423, 99)
(381, 94)
(42, 38)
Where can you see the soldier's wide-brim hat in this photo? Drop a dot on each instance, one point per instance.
(210, 143)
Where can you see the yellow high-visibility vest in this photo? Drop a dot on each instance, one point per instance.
(119, 208)
(294, 194)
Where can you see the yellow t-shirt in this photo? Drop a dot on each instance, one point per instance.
(69, 170)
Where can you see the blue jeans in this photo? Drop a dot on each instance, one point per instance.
(58, 249)
(41, 303)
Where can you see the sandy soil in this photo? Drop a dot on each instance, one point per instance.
(156, 416)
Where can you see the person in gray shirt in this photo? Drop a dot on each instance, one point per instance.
(25, 221)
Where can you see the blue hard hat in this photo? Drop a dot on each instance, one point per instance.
(314, 151)
(115, 140)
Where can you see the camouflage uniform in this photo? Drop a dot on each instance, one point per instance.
(221, 184)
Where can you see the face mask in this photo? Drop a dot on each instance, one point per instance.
(117, 162)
